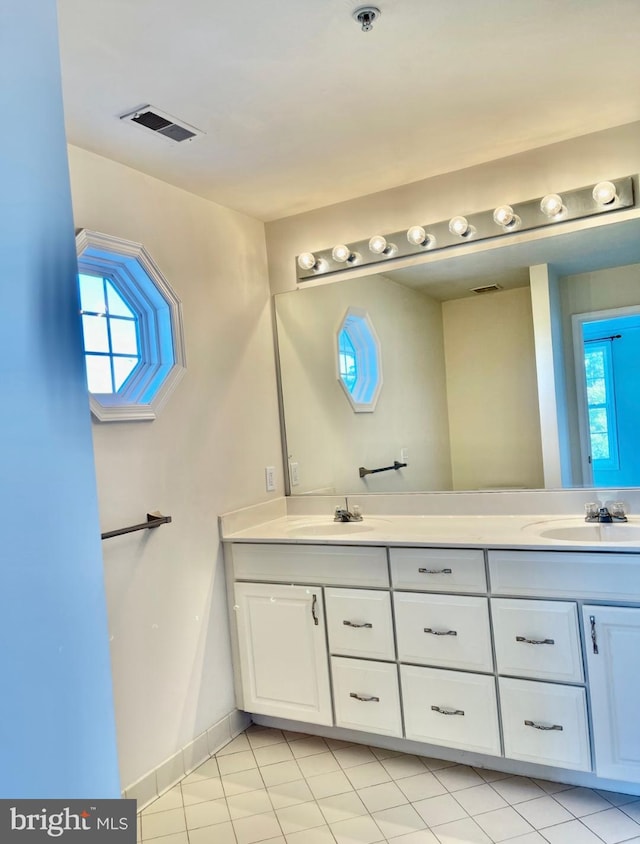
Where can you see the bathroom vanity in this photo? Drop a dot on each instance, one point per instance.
(504, 642)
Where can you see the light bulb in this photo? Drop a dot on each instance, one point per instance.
(506, 217)
(460, 226)
(341, 253)
(417, 236)
(306, 260)
(605, 193)
(551, 205)
(378, 244)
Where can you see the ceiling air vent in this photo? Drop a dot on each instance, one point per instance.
(156, 121)
(486, 288)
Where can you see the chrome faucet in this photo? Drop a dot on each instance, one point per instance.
(344, 515)
(603, 515)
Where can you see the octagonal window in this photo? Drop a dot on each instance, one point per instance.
(132, 328)
(358, 360)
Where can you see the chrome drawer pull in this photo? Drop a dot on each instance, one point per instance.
(441, 632)
(542, 726)
(355, 624)
(365, 698)
(447, 711)
(435, 571)
(535, 641)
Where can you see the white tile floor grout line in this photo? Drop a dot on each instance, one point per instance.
(270, 786)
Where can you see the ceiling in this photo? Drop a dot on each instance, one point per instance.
(301, 109)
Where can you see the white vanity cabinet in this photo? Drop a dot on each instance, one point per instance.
(501, 652)
(612, 643)
(282, 651)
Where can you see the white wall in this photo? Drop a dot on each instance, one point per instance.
(491, 391)
(204, 455)
(327, 439)
(557, 167)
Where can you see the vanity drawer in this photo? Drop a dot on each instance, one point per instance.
(366, 696)
(438, 569)
(451, 631)
(537, 639)
(359, 623)
(338, 565)
(450, 708)
(545, 723)
(565, 574)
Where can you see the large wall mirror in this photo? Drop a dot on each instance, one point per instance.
(482, 390)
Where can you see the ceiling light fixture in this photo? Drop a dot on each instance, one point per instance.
(605, 193)
(550, 210)
(505, 216)
(365, 16)
(552, 205)
(417, 236)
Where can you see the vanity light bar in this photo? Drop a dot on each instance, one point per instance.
(547, 210)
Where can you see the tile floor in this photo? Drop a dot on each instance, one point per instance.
(279, 787)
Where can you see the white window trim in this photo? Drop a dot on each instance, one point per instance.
(119, 266)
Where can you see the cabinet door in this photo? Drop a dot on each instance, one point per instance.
(612, 637)
(283, 658)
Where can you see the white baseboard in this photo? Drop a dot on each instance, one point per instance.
(188, 758)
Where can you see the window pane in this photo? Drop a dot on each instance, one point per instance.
(124, 337)
(95, 334)
(99, 374)
(347, 361)
(599, 446)
(597, 391)
(594, 363)
(597, 419)
(117, 305)
(122, 369)
(92, 293)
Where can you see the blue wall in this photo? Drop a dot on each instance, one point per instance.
(57, 736)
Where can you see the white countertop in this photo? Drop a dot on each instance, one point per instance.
(475, 531)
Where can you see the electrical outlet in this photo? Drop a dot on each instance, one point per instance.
(294, 475)
(270, 478)
(404, 455)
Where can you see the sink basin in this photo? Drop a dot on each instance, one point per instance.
(336, 529)
(576, 530)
